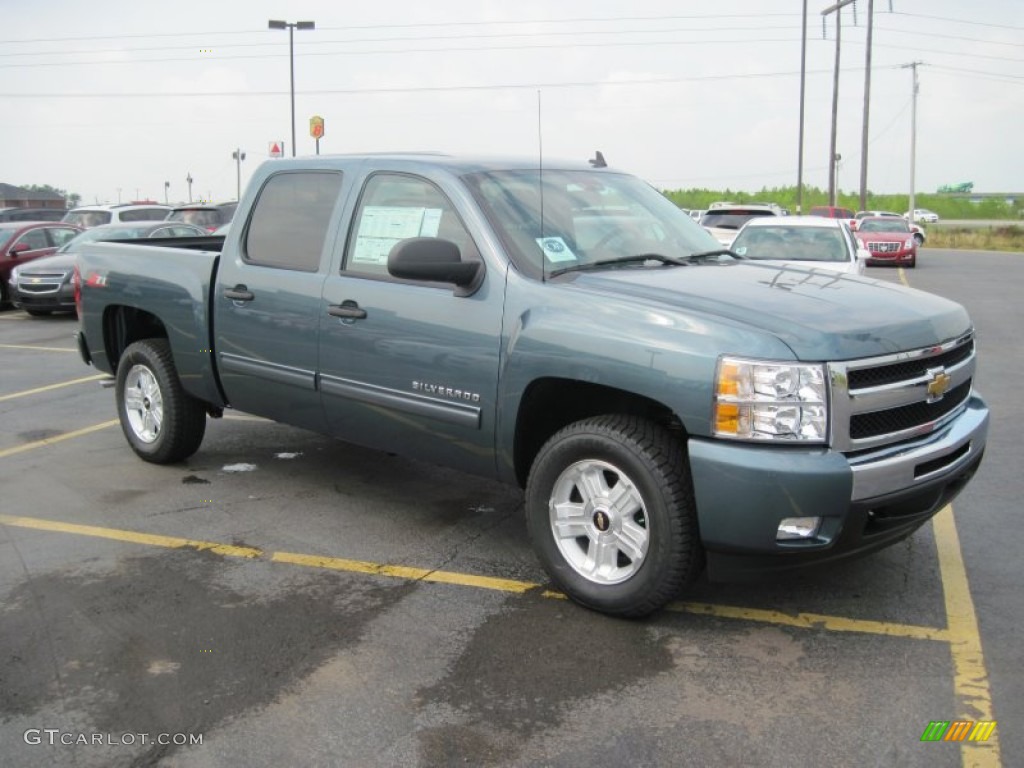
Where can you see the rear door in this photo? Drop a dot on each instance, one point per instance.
(407, 366)
(268, 295)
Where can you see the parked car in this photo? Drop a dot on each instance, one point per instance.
(888, 240)
(46, 285)
(922, 216)
(724, 220)
(805, 241)
(919, 234)
(32, 214)
(22, 242)
(88, 216)
(207, 215)
(831, 212)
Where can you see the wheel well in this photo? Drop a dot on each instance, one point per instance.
(550, 404)
(125, 325)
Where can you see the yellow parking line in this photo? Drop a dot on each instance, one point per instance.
(815, 621)
(404, 572)
(49, 387)
(56, 439)
(150, 539)
(38, 349)
(801, 620)
(970, 681)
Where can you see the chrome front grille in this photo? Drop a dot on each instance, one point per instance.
(41, 282)
(884, 400)
(883, 247)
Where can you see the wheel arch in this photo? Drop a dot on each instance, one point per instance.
(549, 404)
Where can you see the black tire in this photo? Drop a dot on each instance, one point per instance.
(162, 423)
(617, 452)
(913, 263)
(39, 312)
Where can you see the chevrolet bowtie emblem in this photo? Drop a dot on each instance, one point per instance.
(938, 384)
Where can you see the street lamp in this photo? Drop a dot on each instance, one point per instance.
(167, 188)
(238, 156)
(291, 26)
(188, 180)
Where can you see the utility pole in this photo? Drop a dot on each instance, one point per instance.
(188, 180)
(803, 79)
(832, 160)
(913, 135)
(238, 156)
(867, 109)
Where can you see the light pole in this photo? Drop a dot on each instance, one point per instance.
(167, 188)
(238, 156)
(291, 26)
(188, 180)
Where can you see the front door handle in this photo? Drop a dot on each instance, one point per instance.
(348, 309)
(239, 293)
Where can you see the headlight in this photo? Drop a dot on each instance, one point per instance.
(13, 277)
(770, 401)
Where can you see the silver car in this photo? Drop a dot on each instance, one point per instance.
(807, 241)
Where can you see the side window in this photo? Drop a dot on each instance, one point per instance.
(36, 239)
(394, 207)
(60, 235)
(290, 221)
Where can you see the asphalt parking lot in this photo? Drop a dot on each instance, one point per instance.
(286, 599)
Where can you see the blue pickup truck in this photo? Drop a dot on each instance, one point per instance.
(664, 404)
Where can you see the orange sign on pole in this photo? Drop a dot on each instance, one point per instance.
(316, 127)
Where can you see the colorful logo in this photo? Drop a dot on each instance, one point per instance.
(958, 730)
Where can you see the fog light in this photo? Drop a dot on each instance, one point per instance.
(798, 528)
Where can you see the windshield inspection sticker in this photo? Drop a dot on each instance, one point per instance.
(555, 249)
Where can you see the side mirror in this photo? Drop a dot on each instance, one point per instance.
(853, 224)
(18, 248)
(434, 260)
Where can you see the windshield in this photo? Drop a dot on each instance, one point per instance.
(581, 218)
(784, 243)
(884, 225)
(732, 219)
(103, 233)
(201, 217)
(87, 219)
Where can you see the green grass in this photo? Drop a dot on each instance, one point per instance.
(997, 238)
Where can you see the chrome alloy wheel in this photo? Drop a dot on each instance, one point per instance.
(143, 403)
(598, 522)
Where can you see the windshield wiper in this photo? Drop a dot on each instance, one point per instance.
(639, 258)
(716, 252)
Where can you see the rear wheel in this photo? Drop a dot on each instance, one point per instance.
(161, 421)
(610, 510)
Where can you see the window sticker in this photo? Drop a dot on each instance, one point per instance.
(555, 249)
(381, 226)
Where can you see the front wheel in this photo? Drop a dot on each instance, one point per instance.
(610, 510)
(161, 421)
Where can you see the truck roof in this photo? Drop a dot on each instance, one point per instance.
(454, 163)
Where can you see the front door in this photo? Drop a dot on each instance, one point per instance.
(406, 366)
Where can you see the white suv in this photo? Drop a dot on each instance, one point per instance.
(93, 215)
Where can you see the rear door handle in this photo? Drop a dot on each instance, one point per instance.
(239, 293)
(348, 309)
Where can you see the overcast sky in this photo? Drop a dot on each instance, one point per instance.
(111, 98)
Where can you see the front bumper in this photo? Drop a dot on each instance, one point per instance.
(867, 501)
(62, 300)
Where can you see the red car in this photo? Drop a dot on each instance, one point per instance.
(22, 241)
(889, 240)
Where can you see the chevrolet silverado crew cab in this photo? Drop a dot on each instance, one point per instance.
(664, 404)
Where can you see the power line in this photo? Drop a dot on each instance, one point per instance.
(430, 89)
(425, 25)
(957, 21)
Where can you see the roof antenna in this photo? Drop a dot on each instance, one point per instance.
(597, 161)
(540, 186)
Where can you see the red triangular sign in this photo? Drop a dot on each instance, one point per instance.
(275, 149)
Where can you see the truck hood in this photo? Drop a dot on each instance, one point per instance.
(820, 315)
